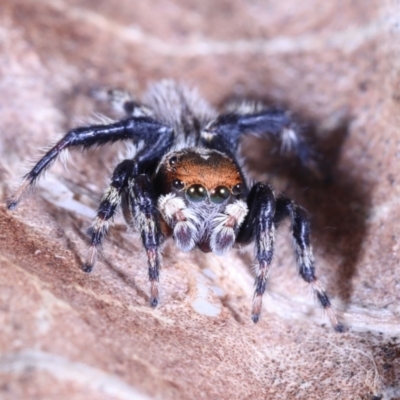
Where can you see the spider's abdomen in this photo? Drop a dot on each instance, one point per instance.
(181, 108)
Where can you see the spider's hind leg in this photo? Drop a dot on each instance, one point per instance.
(304, 254)
(123, 102)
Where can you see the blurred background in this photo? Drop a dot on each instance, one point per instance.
(70, 335)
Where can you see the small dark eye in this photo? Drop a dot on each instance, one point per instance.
(173, 160)
(196, 193)
(177, 184)
(237, 189)
(219, 194)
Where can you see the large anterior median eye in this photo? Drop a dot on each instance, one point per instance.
(196, 193)
(219, 194)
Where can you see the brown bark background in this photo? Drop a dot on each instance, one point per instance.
(65, 334)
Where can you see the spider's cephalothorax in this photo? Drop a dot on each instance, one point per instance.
(199, 196)
(186, 182)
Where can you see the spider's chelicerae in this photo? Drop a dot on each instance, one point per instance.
(185, 181)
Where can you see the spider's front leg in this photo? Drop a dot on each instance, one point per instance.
(136, 195)
(142, 204)
(266, 212)
(107, 208)
(304, 254)
(259, 226)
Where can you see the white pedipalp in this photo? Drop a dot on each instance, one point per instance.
(181, 219)
(225, 227)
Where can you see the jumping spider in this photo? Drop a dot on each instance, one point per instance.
(185, 181)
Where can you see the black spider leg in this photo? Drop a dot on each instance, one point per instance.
(304, 254)
(135, 128)
(259, 226)
(107, 208)
(225, 132)
(145, 161)
(142, 203)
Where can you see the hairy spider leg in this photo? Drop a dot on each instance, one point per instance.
(135, 128)
(145, 161)
(259, 226)
(304, 254)
(107, 208)
(225, 132)
(142, 202)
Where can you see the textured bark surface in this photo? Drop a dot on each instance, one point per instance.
(66, 334)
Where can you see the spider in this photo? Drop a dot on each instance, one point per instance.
(185, 181)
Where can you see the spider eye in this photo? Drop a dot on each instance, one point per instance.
(173, 160)
(196, 193)
(237, 189)
(177, 184)
(219, 194)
